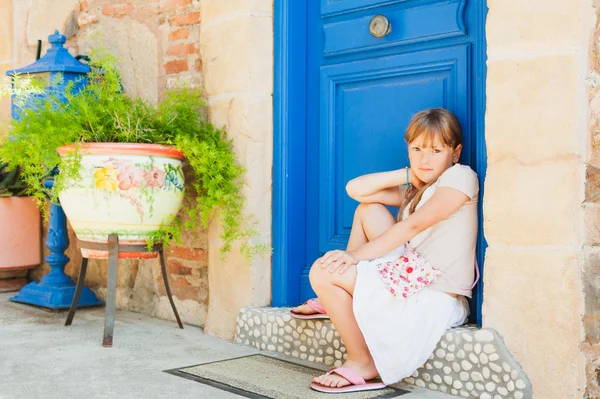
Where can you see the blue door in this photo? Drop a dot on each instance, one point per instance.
(368, 67)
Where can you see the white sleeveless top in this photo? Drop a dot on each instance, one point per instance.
(449, 245)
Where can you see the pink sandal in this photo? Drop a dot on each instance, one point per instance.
(314, 305)
(357, 383)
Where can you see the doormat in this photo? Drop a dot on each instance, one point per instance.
(259, 376)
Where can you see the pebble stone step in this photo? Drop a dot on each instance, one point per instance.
(468, 362)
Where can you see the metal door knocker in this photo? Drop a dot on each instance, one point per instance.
(380, 26)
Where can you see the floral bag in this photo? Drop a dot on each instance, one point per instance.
(407, 274)
(410, 273)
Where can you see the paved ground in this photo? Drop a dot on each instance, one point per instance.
(40, 358)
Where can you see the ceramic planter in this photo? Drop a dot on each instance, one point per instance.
(19, 234)
(124, 189)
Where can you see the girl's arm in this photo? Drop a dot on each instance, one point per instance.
(444, 202)
(381, 187)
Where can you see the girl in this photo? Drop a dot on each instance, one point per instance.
(384, 335)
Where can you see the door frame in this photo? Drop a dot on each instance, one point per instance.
(289, 147)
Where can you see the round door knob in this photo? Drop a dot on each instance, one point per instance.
(380, 26)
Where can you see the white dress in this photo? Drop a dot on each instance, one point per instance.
(402, 333)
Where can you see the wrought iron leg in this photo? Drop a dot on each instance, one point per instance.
(111, 290)
(166, 280)
(78, 288)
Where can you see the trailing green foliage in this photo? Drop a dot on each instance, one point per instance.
(101, 112)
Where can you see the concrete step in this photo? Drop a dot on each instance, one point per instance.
(468, 361)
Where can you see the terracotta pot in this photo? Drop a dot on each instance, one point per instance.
(124, 189)
(19, 233)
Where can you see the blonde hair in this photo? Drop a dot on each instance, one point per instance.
(431, 123)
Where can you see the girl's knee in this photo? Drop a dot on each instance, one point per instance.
(364, 208)
(318, 276)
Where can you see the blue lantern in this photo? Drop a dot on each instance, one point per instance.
(56, 69)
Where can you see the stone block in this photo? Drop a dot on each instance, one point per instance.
(532, 298)
(45, 16)
(591, 325)
(591, 223)
(592, 184)
(533, 205)
(191, 312)
(135, 47)
(251, 281)
(549, 126)
(250, 117)
(537, 25)
(71, 26)
(591, 284)
(238, 67)
(218, 9)
(6, 31)
(592, 355)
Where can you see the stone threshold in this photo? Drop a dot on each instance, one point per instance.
(468, 362)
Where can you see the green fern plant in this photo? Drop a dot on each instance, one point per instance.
(101, 112)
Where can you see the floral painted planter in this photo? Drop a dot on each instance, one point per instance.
(19, 234)
(123, 189)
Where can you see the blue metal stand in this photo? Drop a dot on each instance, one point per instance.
(56, 289)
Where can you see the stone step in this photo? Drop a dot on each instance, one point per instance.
(468, 361)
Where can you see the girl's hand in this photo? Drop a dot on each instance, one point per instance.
(338, 260)
(414, 180)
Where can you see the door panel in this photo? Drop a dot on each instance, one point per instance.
(414, 23)
(365, 109)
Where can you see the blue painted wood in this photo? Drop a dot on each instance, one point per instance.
(384, 90)
(335, 7)
(479, 150)
(289, 207)
(330, 92)
(407, 27)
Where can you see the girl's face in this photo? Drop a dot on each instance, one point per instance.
(428, 162)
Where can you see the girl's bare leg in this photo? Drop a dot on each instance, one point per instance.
(335, 292)
(370, 221)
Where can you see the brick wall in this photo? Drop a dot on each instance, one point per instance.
(157, 46)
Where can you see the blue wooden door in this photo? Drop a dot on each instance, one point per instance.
(360, 93)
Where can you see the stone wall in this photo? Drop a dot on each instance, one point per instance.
(6, 53)
(591, 258)
(536, 134)
(157, 46)
(236, 45)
